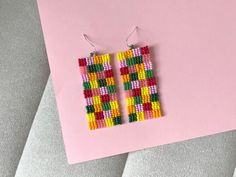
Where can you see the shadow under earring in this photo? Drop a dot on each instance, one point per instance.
(139, 83)
(99, 90)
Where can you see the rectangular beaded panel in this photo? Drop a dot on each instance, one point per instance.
(99, 91)
(139, 84)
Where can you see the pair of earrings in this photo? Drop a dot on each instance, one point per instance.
(100, 91)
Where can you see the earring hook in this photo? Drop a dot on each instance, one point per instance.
(129, 35)
(87, 39)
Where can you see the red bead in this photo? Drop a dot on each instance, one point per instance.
(147, 106)
(99, 115)
(82, 62)
(144, 50)
(124, 70)
(108, 73)
(151, 81)
(105, 98)
(88, 93)
(136, 92)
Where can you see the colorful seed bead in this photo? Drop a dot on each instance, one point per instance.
(139, 84)
(99, 92)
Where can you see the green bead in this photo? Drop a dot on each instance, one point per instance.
(96, 67)
(135, 60)
(132, 117)
(99, 67)
(90, 109)
(106, 106)
(111, 89)
(130, 61)
(154, 97)
(137, 99)
(127, 86)
(149, 73)
(86, 85)
(102, 82)
(140, 59)
(133, 76)
(90, 68)
(117, 120)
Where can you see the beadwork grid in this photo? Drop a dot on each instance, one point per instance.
(139, 84)
(99, 92)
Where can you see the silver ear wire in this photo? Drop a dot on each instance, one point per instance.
(127, 38)
(87, 39)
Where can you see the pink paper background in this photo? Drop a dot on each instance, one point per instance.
(193, 44)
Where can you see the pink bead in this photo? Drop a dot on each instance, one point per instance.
(146, 57)
(103, 90)
(113, 97)
(134, 84)
(132, 69)
(138, 51)
(107, 114)
(95, 92)
(148, 114)
(142, 83)
(135, 52)
(153, 89)
(123, 63)
(89, 101)
(85, 77)
(147, 65)
(128, 93)
(139, 107)
(101, 123)
(82, 69)
(100, 75)
(89, 60)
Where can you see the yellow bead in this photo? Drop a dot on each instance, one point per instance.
(140, 116)
(115, 104)
(155, 105)
(130, 101)
(109, 122)
(141, 75)
(91, 117)
(94, 84)
(120, 56)
(106, 58)
(98, 107)
(144, 91)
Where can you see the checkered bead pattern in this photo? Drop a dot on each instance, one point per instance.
(99, 92)
(139, 84)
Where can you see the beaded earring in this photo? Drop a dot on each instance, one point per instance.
(139, 83)
(99, 90)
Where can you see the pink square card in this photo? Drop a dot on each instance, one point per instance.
(193, 51)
